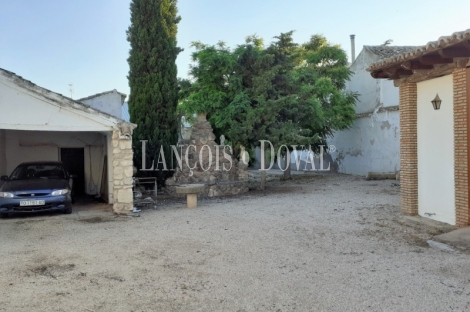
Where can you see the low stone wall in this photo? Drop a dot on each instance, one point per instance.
(213, 189)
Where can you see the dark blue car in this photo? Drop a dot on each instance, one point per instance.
(34, 187)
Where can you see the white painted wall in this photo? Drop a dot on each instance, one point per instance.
(372, 144)
(26, 110)
(362, 82)
(389, 94)
(3, 155)
(23, 146)
(436, 187)
(110, 103)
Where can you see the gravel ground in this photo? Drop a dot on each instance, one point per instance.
(317, 243)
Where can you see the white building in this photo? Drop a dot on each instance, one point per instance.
(40, 125)
(110, 102)
(372, 142)
(434, 86)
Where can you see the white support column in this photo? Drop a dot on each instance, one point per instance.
(109, 153)
(3, 153)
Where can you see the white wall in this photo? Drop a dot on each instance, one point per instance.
(110, 103)
(436, 188)
(3, 155)
(23, 146)
(362, 82)
(372, 144)
(23, 109)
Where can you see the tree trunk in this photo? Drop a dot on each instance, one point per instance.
(263, 180)
(287, 172)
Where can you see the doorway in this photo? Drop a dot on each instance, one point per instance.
(74, 162)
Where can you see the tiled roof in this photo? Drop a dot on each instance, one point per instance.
(389, 51)
(431, 46)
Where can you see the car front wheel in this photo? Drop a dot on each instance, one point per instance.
(68, 210)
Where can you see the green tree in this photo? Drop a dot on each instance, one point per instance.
(287, 93)
(152, 78)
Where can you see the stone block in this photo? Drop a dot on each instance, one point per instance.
(190, 189)
(124, 196)
(128, 181)
(118, 170)
(129, 172)
(125, 144)
(126, 163)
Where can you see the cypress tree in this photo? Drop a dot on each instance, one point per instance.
(153, 79)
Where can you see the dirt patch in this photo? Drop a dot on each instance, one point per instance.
(52, 270)
(29, 221)
(97, 220)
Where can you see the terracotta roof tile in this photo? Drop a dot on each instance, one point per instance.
(431, 46)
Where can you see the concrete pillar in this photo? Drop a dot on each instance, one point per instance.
(192, 200)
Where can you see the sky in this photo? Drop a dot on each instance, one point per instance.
(54, 43)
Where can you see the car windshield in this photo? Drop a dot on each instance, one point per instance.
(38, 171)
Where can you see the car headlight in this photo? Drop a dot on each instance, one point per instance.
(60, 192)
(6, 195)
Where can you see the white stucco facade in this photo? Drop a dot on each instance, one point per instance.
(436, 187)
(109, 102)
(372, 142)
(35, 124)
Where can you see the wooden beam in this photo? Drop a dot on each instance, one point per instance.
(454, 52)
(378, 74)
(409, 65)
(404, 72)
(397, 73)
(433, 59)
(466, 44)
(391, 71)
(422, 75)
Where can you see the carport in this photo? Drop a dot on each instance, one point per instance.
(37, 124)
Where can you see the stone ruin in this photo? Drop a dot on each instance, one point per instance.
(210, 164)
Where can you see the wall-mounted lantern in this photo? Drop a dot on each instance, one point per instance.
(436, 103)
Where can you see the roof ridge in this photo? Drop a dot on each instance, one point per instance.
(50, 94)
(103, 93)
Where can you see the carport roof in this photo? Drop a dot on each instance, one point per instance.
(57, 97)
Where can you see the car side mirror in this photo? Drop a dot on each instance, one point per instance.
(4, 178)
(73, 176)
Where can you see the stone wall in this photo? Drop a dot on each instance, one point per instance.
(209, 164)
(122, 173)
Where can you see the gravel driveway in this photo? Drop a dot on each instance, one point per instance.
(317, 243)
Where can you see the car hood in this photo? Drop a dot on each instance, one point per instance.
(47, 185)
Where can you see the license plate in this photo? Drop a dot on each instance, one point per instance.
(32, 202)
